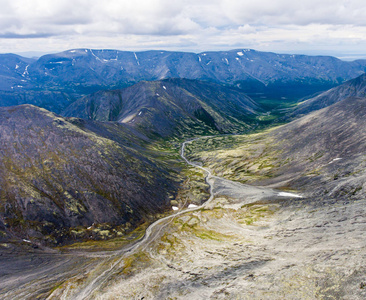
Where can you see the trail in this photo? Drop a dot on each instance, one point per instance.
(98, 272)
(151, 233)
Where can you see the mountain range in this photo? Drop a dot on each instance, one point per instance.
(91, 149)
(41, 149)
(86, 70)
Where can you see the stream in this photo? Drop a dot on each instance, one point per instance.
(99, 267)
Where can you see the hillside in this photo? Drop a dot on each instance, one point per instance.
(326, 151)
(60, 176)
(352, 88)
(321, 154)
(171, 107)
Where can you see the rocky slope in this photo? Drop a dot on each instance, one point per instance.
(325, 150)
(170, 107)
(322, 152)
(352, 88)
(69, 179)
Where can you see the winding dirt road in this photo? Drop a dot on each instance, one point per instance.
(101, 266)
(152, 232)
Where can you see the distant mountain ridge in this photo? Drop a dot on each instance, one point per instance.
(169, 107)
(87, 70)
(14, 72)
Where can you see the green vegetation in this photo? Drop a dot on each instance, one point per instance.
(109, 244)
(275, 108)
(243, 158)
(134, 262)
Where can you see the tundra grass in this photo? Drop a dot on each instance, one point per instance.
(243, 158)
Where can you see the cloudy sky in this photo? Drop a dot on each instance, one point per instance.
(335, 27)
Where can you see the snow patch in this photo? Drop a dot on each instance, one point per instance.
(140, 113)
(96, 57)
(199, 58)
(16, 67)
(285, 194)
(128, 118)
(164, 87)
(237, 58)
(174, 208)
(27, 241)
(157, 94)
(192, 206)
(137, 60)
(336, 159)
(208, 63)
(25, 71)
(225, 60)
(240, 53)
(72, 51)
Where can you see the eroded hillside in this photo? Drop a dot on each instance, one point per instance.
(60, 177)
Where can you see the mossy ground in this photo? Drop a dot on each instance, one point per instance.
(243, 158)
(107, 244)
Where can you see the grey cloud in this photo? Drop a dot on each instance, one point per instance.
(307, 12)
(186, 23)
(167, 17)
(9, 35)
